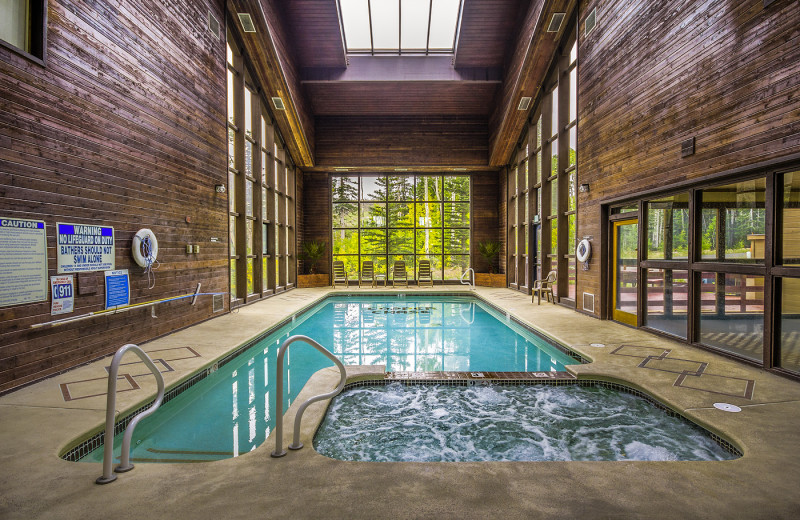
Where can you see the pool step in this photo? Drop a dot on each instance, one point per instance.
(478, 376)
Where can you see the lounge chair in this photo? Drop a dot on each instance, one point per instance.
(545, 286)
(424, 276)
(399, 275)
(367, 273)
(339, 274)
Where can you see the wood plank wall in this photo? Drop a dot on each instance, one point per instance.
(653, 74)
(485, 215)
(123, 127)
(316, 220)
(401, 141)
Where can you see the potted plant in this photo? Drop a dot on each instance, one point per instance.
(313, 250)
(490, 250)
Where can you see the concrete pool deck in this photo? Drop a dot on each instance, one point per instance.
(38, 421)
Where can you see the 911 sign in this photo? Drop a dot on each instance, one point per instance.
(61, 288)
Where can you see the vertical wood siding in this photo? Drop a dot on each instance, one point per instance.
(123, 127)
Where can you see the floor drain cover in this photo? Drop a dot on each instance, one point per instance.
(725, 407)
(597, 345)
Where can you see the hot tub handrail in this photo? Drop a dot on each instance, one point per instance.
(108, 441)
(296, 444)
(471, 282)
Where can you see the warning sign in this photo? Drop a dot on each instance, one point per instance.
(23, 261)
(83, 248)
(61, 288)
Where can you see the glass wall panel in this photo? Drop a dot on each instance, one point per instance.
(344, 188)
(733, 218)
(429, 241)
(350, 265)
(454, 266)
(401, 214)
(428, 187)
(372, 241)
(373, 214)
(345, 215)
(456, 188)
(401, 187)
(401, 241)
(790, 325)
(732, 313)
(373, 188)
(429, 214)
(456, 214)
(668, 228)
(790, 211)
(667, 296)
(345, 241)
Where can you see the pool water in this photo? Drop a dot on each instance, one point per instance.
(433, 423)
(230, 412)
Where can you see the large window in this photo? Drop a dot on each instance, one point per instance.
(384, 218)
(720, 266)
(261, 208)
(22, 26)
(542, 186)
(400, 26)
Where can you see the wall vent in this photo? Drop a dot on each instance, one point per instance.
(588, 302)
(591, 22)
(247, 23)
(687, 147)
(555, 22)
(524, 103)
(278, 103)
(213, 25)
(218, 302)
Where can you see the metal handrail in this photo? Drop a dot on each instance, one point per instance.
(108, 442)
(296, 444)
(471, 283)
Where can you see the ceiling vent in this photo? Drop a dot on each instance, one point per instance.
(247, 23)
(555, 22)
(278, 103)
(591, 22)
(213, 25)
(524, 103)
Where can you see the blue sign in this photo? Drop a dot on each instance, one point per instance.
(117, 288)
(84, 248)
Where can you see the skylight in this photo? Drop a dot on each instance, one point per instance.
(400, 26)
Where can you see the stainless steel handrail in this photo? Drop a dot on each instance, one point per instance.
(296, 444)
(111, 399)
(471, 283)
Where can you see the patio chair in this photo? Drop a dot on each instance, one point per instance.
(367, 273)
(545, 286)
(339, 274)
(399, 275)
(424, 276)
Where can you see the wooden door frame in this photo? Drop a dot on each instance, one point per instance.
(622, 316)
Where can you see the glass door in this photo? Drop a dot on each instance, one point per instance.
(625, 278)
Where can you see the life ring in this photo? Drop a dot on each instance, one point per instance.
(583, 251)
(145, 248)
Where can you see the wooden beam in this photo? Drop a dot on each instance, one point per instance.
(527, 68)
(277, 74)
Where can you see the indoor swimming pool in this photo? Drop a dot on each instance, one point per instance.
(230, 412)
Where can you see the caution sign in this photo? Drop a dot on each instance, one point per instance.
(83, 248)
(61, 288)
(23, 261)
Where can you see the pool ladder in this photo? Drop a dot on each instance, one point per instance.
(471, 282)
(111, 400)
(296, 444)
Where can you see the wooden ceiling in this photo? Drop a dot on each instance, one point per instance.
(480, 82)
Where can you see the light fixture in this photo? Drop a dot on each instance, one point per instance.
(401, 169)
(219, 188)
(584, 188)
(524, 103)
(459, 169)
(342, 169)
